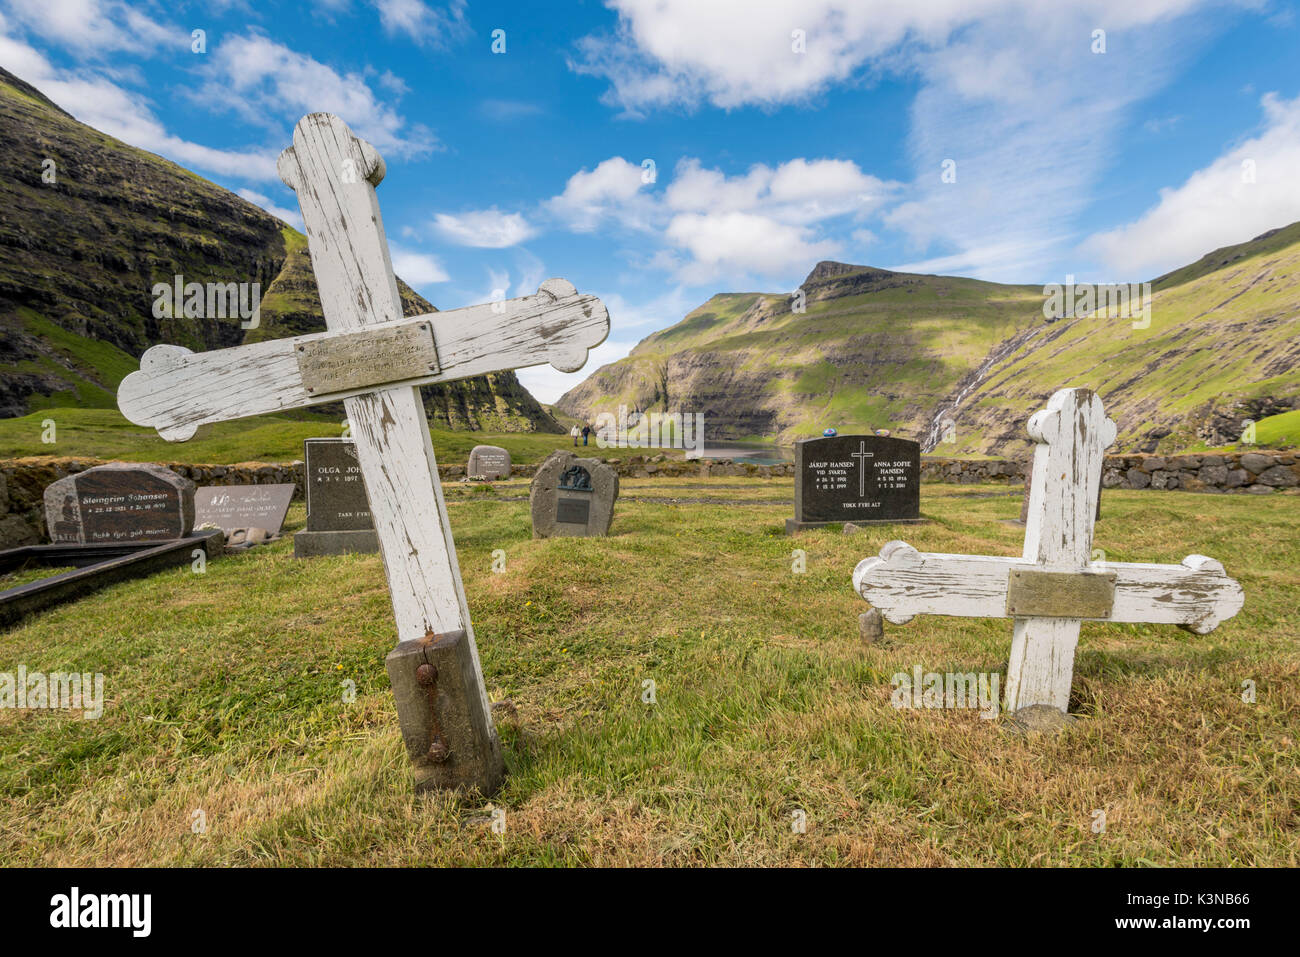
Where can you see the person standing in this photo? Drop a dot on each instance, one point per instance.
(575, 433)
(586, 431)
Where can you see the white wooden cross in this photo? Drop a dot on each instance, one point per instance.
(1055, 585)
(374, 359)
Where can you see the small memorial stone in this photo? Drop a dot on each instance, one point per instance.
(572, 496)
(859, 479)
(229, 507)
(489, 462)
(119, 502)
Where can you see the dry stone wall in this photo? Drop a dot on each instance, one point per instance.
(23, 481)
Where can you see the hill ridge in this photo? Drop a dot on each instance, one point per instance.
(878, 348)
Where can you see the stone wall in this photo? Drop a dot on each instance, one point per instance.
(23, 481)
(1237, 472)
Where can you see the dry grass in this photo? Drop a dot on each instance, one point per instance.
(224, 695)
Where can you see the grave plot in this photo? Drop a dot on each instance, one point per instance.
(110, 524)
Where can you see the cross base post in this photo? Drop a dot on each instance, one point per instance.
(448, 735)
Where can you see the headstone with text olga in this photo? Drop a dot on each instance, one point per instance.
(338, 513)
(862, 479)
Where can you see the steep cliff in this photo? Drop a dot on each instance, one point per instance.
(88, 224)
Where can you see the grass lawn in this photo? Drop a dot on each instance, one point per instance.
(106, 434)
(225, 695)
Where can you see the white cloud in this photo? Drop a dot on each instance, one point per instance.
(1011, 91)
(484, 228)
(99, 102)
(762, 222)
(291, 216)
(93, 28)
(612, 190)
(1216, 206)
(269, 84)
(416, 269)
(744, 52)
(743, 243)
(422, 23)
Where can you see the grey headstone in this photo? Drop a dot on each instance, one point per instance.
(488, 461)
(338, 512)
(120, 502)
(860, 479)
(242, 506)
(572, 496)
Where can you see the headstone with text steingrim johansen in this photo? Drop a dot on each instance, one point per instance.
(119, 502)
(862, 479)
(338, 512)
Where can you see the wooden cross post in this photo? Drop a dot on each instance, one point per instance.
(374, 360)
(1055, 585)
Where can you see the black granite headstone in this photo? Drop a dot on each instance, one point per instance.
(863, 479)
(338, 513)
(120, 502)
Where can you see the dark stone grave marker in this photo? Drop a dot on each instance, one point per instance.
(338, 512)
(863, 479)
(119, 502)
(572, 496)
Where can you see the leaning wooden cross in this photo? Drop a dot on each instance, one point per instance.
(374, 359)
(1055, 585)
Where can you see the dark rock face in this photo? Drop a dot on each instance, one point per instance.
(79, 257)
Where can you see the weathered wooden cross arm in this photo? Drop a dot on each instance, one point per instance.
(1197, 594)
(177, 390)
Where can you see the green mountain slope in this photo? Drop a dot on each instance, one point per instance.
(959, 364)
(1223, 346)
(874, 349)
(79, 257)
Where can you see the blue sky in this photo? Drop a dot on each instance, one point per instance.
(781, 132)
